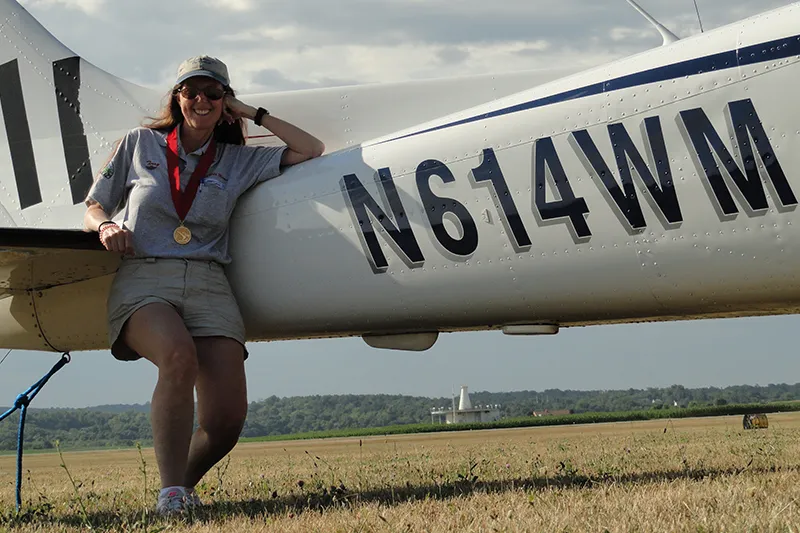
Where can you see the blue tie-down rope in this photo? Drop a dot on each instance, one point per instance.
(21, 403)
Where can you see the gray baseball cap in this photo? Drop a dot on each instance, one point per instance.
(210, 67)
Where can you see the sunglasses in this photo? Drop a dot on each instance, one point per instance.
(211, 92)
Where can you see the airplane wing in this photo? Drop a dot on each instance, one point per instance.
(344, 117)
(40, 259)
(46, 273)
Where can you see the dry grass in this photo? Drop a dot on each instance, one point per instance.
(684, 475)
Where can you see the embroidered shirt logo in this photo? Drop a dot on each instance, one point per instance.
(213, 182)
(151, 165)
(215, 179)
(108, 171)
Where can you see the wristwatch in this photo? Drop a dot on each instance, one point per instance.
(260, 115)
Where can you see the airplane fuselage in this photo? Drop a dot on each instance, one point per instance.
(663, 186)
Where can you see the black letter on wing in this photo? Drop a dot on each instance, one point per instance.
(489, 174)
(567, 206)
(361, 205)
(746, 125)
(623, 199)
(436, 207)
(67, 76)
(659, 183)
(18, 133)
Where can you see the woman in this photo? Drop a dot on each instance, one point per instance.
(170, 302)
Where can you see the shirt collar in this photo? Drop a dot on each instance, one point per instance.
(162, 140)
(200, 151)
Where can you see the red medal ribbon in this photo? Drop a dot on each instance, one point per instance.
(183, 201)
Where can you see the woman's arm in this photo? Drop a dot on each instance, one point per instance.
(108, 190)
(94, 216)
(114, 238)
(300, 144)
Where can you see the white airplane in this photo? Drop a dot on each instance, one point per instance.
(659, 187)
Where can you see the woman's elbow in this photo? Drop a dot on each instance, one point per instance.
(318, 149)
(88, 223)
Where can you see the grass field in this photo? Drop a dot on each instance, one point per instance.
(703, 474)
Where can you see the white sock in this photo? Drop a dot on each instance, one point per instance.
(167, 490)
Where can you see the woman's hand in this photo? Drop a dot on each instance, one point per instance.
(300, 145)
(113, 237)
(233, 109)
(116, 239)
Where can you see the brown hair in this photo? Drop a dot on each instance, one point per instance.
(171, 115)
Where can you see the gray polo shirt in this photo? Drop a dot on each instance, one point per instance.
(134, 189)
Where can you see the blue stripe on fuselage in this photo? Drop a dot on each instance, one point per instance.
(757, 53)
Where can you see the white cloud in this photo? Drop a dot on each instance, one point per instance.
(368, 64)
(280, 33)
(270, 48)
(233, 5)
(90, 7)
(623, 34)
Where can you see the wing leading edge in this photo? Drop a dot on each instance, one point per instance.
(53, 288)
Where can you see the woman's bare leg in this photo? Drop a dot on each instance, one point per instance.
(221, 404)
(157, 333)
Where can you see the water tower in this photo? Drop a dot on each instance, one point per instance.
(466, 413)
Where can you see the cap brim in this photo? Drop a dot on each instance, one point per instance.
(203, 73)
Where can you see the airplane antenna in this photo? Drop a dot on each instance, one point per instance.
(698, 16)
(666, 35)
(5, 356)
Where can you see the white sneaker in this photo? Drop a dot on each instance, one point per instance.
(192, 499)
(172, 502)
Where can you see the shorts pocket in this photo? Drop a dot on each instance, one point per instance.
(129, 269)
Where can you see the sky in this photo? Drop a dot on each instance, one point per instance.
(289, 45)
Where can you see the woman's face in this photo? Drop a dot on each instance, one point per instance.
(200, 112)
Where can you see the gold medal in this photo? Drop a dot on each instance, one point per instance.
(182, 235)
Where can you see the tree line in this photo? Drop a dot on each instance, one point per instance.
(124, 425)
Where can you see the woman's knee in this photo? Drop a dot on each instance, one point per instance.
(157, 333)
(178, 362)
(224, 428)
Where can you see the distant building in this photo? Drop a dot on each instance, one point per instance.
(555, 412)
(465, 413)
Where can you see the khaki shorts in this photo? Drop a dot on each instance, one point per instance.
(198, 290)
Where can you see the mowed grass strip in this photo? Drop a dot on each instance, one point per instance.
(661, 475)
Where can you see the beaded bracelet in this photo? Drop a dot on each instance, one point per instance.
(104, 226)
